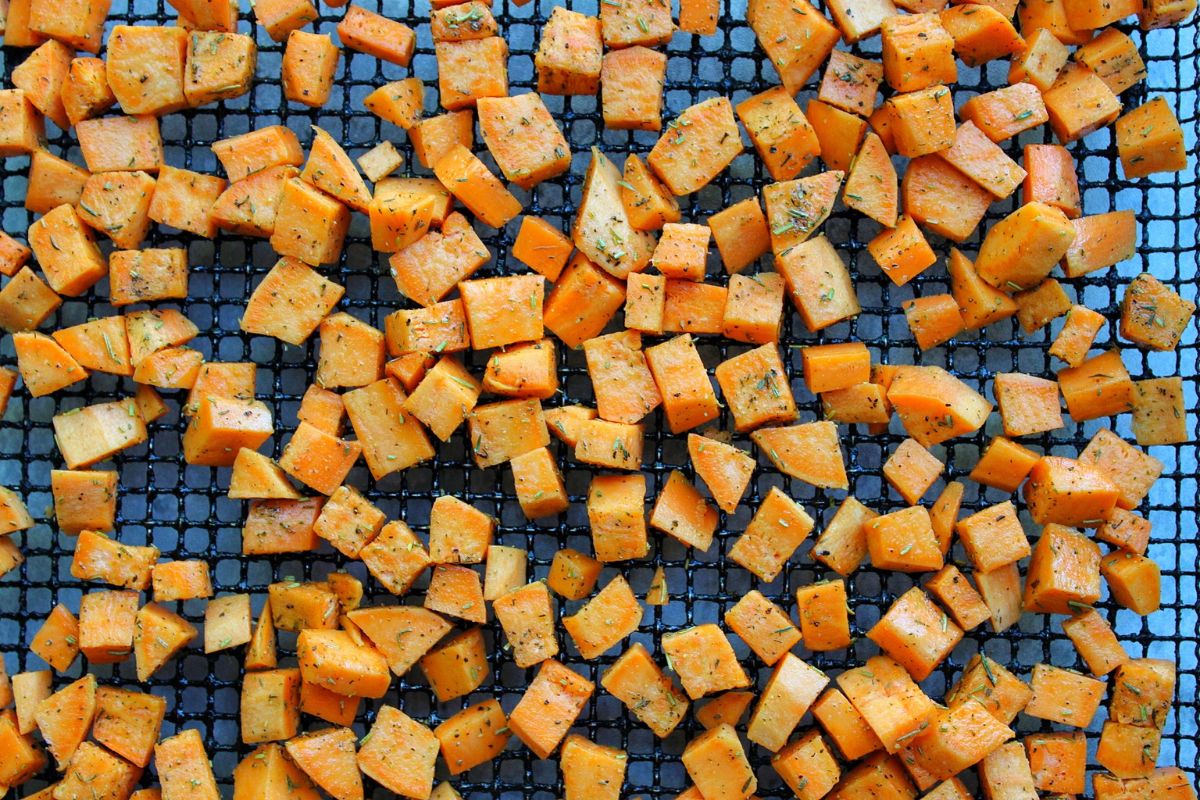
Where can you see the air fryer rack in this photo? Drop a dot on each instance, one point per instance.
(184, 511)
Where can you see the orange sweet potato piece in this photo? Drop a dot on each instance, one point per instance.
(724, 468)
(582, 302)
(871, 183)
(638, 682)
(376, 35)
(396, 732)
(809, 452)
(591, 770)
(549, 706)
(703, 140)
(568, 58)
(795, 36)
(885, 695)
(1150, 139)
(310, 61)
(542, 247)
(1133, 580)
(704, 660)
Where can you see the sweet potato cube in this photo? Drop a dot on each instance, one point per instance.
(111, 144)
(990, 684)
(892, 704)
(582, 302)
(902, 252)
(796, 208)
(506, 120)
(104, 344)
(1077, 334)
(247, 154)
(1028, 404)
(310, 61)
(21, 126)
(818, 283)
(227, 622)
(1003, 113)
(94, 433)
(64, 718)
(26, 301)
(1098, 387)
(473, 736)
(911, 470)
(400, 103)
(682, 512)
(605, 620)
(158, 636)
(591, 770)
(917, 52)
(1057, 760)
(140, 276)
(753, 308)
(741, 234)
(724, 468)
(1078, 103)
(325, 758)
(222, 426)
(1130, 469)
(290, 302)
(500, 431)
(1133, 580)
(505, 570)
(309, 224)
(631, 85)
(1039, 61)
(1095, 641)
(456, 667)
(993, 537)
(850, 83)
(842, 545)
(543, 247)
(280, 17)
(1143, 691)
(523, 370)
(383, 625)
(1150, 139)
(916, 633)
(456, 591)
(617, 517)
(638, 682)
(297, 606)
(717, 764)
(396, 732)
(844, 725)
(795, 36)
(957, 739)
(367, 32)
(146, 68)
(569, 54)
(704, 660)
(335, 660)
(220, 66)
(1152, 315)
(701, 142)
(128, 722)
(824, 615)
(777, 529)
(1158, 411)
(756, 388)
(44, 365)
(573, 574)
(790, 691)
(270, 704)
(980, 34)
(648, 203)
(1039, 306)
(809, 452)
(391, 441)
(180, 580)
(692, 307)
(903, 541)
(66, 251)
(527, 618)
(111, 777)
(106, 623)
(763, 626)
(955, 592)
(348, 521)
(781, 134)
(99, 558)
(53, 182)
(550, 705)
(682, 381)
(84, 499)
(1064, 696)
(352, 352)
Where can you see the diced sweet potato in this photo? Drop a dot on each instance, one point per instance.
(569, 54)
(550, 705)
(795, 36)
(631, 85)
(309, 63)
(638, 682)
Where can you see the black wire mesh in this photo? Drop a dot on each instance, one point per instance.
(183, 510)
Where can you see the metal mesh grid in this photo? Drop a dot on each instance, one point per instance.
(183, 510)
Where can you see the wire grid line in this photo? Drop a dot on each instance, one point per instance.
(183, 509)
